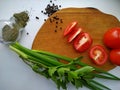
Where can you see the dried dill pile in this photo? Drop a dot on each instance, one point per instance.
(10, 32)
(21, 19)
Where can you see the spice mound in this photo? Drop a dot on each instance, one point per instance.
(9, 34)
(21, 18)
(51, 8)
(11, 31)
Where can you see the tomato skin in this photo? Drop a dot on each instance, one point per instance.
(70, 27)
(74, 34)
(112, 38)
(82, 42)
(115, 56)
(98, 55)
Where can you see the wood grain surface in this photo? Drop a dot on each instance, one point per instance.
(96, 23)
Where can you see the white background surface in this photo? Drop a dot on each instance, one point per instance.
(14, 73)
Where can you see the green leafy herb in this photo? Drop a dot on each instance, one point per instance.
(48, 65)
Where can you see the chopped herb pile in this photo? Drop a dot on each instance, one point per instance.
(48, 65)
(11, 32)
(21, 18)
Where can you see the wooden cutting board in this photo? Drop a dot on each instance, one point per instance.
(96, 23)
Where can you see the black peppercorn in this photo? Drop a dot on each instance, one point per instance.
(27, 33)
(37, 17)
(55, 30)
(51, 8)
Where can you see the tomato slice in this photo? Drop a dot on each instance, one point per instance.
(70, 27)
(82, 42)
(98, 55)
(74, 34)
(115, 56)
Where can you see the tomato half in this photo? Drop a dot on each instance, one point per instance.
(70, 27)
(82, 42)
(98, 54)
(74, 34)
(115, 56)
(112, 38)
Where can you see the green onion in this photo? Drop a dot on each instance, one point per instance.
(48, 65)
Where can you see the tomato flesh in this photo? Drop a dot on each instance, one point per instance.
(74, 34)
(112, 38)
(70, 27)
(98, 55)
(115, 56)
(82, 42)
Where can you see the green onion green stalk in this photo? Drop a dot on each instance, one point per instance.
(49, 65)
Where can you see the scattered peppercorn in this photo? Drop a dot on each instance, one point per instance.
(50, 9)
(55, 30)
(56, 18)
(50, 20)
(59, 5)
(41, 11)
(50, 1)
(37, 17)
(60, 28)
(57, 21)
(44, 19)
(27, 33)
(61, 20)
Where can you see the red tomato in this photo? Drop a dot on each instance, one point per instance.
(82, 42)
(74, 34)
(98, 54)
(112, 38)
(115, 56)
(70, 27)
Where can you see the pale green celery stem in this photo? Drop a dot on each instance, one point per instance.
(24, 56)
(53, 55)
(36, 55)
(28, 58)
(70, 59)
(19, 52)
(34, 63)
